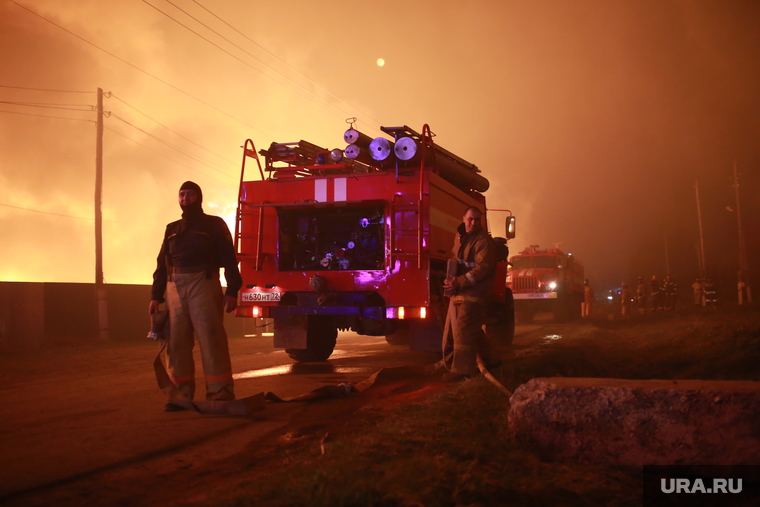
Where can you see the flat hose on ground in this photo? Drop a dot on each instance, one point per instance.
(487, 374)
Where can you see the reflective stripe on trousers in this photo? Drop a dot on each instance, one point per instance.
(195, 305)
(469, 337)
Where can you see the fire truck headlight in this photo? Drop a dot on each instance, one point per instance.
(552, 285)
(336, 155)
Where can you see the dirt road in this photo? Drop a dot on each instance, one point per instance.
(72, 416)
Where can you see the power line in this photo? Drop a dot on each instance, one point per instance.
(161, 154)
(172, 131)
(217, 45)
(168, 144)
(137, 68)
(48, 105)
(43, 89)
(252, 56)
(45, 104)
(58, 214)
(45, 116)
(46, 212)
(277, 58)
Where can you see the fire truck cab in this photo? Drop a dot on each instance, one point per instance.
(355, 239)
(546, 280)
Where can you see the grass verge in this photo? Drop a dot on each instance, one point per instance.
(454, 448)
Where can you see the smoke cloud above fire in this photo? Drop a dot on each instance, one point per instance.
(592, 120)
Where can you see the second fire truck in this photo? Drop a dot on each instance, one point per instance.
(546, 280)
(357, 239)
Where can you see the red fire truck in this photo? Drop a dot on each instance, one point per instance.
(546, 281)
(356, 239)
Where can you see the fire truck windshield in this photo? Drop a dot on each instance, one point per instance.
(544, 261)
(537, 261)
(521, 263)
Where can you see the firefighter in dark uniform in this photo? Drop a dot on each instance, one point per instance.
(470, 291)
(187, 276)
(641, 295)
(670, 291)
(655, 295)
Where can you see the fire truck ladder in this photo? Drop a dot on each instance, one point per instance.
(258, 211)
(400, 229)
(397, 210)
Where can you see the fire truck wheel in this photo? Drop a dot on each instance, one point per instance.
(320, 341)
(501, 332)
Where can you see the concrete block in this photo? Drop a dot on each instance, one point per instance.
(641, 422)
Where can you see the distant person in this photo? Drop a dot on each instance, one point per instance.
(625, 301)
(669, 289)
(711, 297)
(654, 294)
(641, 295)
(588, 299)
(699, 292)
(744, 292)
(470, 291)
(187, 275)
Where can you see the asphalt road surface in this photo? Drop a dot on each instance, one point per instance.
(72, 412)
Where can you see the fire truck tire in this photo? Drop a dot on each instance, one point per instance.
(500, 327)
(501, 332)
(321, 335)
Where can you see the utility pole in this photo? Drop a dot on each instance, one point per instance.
(100, 288)
(702, 266)
(743, 275)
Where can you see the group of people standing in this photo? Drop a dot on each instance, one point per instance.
(654, 296)
(704, 293)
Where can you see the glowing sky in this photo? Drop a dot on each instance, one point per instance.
(591, 119)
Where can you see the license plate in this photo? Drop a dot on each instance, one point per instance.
(260, 296)
(535, 295)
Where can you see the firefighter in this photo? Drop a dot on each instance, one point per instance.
(655, 295)
(588, 299)
(711, 298)
(470, 290)
(699, 292)
(641, 295)
(625, 300)
(670, 290)
(187, 276)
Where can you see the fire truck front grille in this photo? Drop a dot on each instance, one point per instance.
(524, 283)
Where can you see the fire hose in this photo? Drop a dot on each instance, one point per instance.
(246, 406)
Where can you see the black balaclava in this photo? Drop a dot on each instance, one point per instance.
(194, 209)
